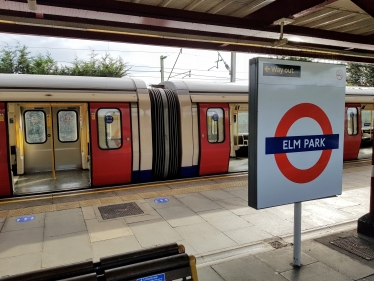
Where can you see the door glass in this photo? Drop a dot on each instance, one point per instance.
(215, 125)
(35, 127)
(67, 126)
(109, 128)
(352, 121)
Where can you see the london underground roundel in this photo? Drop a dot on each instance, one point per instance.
(282, 144)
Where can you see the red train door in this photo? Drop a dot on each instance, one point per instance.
(111, 152)
(5, 184)
(214, 138)
(352, 131)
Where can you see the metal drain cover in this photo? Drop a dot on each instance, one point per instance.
(357, 246)
(119, 210)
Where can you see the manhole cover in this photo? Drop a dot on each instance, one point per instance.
(277, 244)
(120, 210)
(356, 246)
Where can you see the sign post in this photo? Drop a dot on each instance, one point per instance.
(296, 129)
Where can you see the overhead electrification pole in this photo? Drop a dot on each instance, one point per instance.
(162, 67)
(233, 67)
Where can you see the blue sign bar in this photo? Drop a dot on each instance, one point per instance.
(292, 144)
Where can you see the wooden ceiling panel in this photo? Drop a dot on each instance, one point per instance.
(314, 16)
(328, 19)
(346, 22)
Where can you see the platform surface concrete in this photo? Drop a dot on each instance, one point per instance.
(211, 218)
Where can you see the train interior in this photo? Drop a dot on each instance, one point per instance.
(367, 115)
(49, 146)
(239, 137)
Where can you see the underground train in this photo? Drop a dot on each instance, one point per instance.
(61, 132)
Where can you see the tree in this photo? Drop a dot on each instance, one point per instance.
(17, 60)
(360, 75)
(294, 58)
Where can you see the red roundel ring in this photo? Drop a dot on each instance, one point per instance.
(295, 113)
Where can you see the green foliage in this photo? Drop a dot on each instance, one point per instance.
(18, 60)
(360, 75)
(294, 58)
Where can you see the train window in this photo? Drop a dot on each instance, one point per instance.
(215, 125)
(109, 128)
(67, 126)
(243, 122)
(352, 121)
(35, 127)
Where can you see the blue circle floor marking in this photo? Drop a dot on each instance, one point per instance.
(161, 200)
(25, 219)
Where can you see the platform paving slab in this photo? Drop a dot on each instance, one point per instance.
(66, 249)
(281, 259)
(224, 220)
(333, 214)
(179, 216)
(315, 271)
(247, 269)
(154, 232)
(241, 193)
(247, 235)
(197, 202)
(88, 213)
(21, 242)
(341, 263)
(237, 206)
(204, 237)
(358, 210)
(20, 264)
(11, 223)
(64, 222)
(273, 224)
(114, 246)
(104, 230)
(208, 274)
(217, 194)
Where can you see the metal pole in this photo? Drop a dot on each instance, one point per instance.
(297, 235)
(233, 67)
(162, 67)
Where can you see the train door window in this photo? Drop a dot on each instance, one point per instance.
(352, 121)
(215, 125)
(67, 126)
(109, 128)
(35, 127)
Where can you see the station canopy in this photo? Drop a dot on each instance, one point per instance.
(331, 29)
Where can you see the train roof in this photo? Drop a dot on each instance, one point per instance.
(206, 87)
(359, 94)
(58, 82)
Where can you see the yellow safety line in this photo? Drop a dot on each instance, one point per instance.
(115, 189)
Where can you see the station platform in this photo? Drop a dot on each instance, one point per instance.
(209, 216)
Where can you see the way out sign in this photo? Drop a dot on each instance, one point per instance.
(296, 126)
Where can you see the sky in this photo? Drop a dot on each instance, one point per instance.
(144, 60)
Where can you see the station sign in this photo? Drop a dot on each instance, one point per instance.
(296, 131)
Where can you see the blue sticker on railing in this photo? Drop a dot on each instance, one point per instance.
(109, 119)
(161, 200)
(25, 219)
(158, 277)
